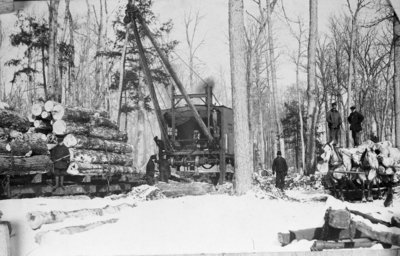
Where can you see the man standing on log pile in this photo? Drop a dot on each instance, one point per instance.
(334, 122)
(355, 119)
(279, 167)
(60, 157)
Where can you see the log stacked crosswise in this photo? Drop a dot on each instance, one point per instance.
(22, 149)
(96, 145)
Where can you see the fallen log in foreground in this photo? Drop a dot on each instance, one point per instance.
(25, 165)
(38, 219)
(73, 229)
(177, 189)
(99, 157)
(355, 243)
(377, 232)
(78, 168)
(84, 142)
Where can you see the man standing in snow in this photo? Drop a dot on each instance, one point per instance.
(334, 122)
(355, 119)
(60, 157)
(164, 168)
(150, 170)
(279, 167)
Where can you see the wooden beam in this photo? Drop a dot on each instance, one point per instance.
(174, 76)
(150, 84)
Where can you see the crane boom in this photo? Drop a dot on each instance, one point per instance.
(174, 76)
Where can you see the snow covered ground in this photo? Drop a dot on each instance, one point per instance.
(202, 224)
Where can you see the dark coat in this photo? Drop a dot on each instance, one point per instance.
(334, 119)
(60, 156)
(355, 120)
(279, 165)
(150, 168)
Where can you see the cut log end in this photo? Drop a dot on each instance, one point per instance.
(58, 112)
(59, 127)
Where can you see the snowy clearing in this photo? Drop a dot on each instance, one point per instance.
(202, 224)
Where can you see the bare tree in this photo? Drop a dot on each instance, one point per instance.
(122, 73)
(54, 86)
(311, 87)
(396, 78)
(191, 29)
(353, 35)
(242, 145)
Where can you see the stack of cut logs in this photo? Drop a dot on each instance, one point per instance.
(95, 143)
(22, 150)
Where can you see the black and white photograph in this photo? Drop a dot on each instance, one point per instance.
(199, 127)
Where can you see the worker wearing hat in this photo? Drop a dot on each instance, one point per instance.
(355, 119)
(60, 157)
(279, 167)
(334, 122)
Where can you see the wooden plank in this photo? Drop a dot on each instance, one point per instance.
(377, 232)
(6, 6)
(355, 243)
(5, 246)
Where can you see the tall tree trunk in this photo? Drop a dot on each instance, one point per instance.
(122, 74)
(311, 87)
(280, 138)
(396, 77)
(242, 144)
(53, 86)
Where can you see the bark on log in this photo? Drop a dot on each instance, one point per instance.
(395, 221)
(82, 115)
(108, 134)
(356, 243)
(104, 122)
(377, 232)
(77, 168)
(20, 147)
(37, 142)
(99, 157)
(37, 109)
(61, 127)
(38, 219)
(25, 165)
(176, 189)
(371, 218)
(13, 120)
(317, 234)
(74, 229)
(83, 142)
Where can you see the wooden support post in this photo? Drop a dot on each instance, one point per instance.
(5, 246)
(150, 84)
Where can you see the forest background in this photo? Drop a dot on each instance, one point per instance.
(354, 48)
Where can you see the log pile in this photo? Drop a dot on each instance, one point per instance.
(348, 228)
(22, 150)
(97, 147)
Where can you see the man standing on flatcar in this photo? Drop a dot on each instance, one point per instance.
(150, 170)
(279, 167)
(164, 168)
(60, 157)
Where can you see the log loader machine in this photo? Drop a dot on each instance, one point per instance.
(193, 137)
